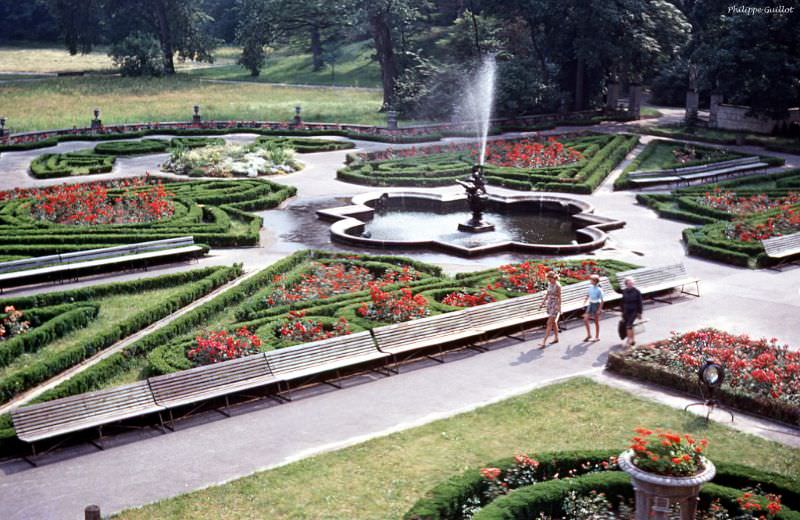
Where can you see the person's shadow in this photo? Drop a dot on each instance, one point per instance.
(528, 357)
(574, 351)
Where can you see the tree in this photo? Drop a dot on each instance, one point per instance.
(180, 27)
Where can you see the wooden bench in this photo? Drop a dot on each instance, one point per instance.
(782, 248)
(68, 265)
(659, 279)
(204, 383)
(331, 355)
(691, 173)
(424, 333)
(80, 412)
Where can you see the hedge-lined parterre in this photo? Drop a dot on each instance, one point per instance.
(53, 165)
(69, 326)
(144, 146)
(665, 155)
(440, 166)
(215, 213)
(733, 215)
(556, 474)
(307, 145)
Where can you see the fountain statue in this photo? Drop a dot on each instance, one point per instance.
(476, 195)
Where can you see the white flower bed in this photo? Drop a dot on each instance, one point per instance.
(230, 160)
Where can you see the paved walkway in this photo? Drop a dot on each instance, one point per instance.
(146, 466)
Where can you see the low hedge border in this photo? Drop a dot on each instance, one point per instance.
(651, 373)
(446, 500)
(308, 145)
(747, 139)
(145, 146)
(54, 165)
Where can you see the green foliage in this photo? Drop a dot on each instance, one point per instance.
(307, 145)
(145, 146)
(195, 142)
(53, 165)
(138, 54)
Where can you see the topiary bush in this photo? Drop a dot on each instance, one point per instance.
(308, 145)
(144, 146)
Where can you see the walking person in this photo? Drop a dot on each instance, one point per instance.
(631, 309)
(594, 306)
(552, 300)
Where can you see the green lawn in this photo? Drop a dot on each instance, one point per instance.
(382, 478)
(355, 66)
(662, 155)
(65, 102)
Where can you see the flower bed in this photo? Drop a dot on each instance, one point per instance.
(231, 160)
(217, 346)
(531, 277)
(577, 164)
(553, 484)
(12, 323)
(761, 375)
(393, 307)
(735, 214)
(67, 218)
(139, 202)
(468, 298)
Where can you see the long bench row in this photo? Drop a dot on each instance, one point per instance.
(783, 247)
(327, 359)
(692, 173)
(15, 273)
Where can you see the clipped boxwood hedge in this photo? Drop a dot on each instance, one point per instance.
(145, 146)
(195, 142)
(53, 165)
(308, 145)
(446, 500)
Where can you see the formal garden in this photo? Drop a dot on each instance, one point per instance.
(399, 259)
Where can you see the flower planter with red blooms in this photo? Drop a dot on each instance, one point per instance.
(666, 469)
(299, 328)
(393, 307)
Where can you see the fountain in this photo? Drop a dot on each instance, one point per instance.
(454, 223)
(479, 98)
(476, 195)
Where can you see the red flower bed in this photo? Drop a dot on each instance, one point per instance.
(761, 368)
(730, 202)
(393, 307)
(527, 153)
(329, 280)
(531, 277)
(140, 202)
(217, 346)
(784, 223)
(465, 298)
(300, 329)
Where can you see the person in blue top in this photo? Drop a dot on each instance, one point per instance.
(594, 307)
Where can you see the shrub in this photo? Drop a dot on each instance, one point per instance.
(144, 146)
(54, 165)
(307, 145)
(138, 54)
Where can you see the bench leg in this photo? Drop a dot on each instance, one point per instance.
(696, 293)
(164, 427)
(335, 385)
(97, 443)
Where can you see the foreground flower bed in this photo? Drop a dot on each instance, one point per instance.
(762, 376)
(587, 485)
(735, 215)
(574, 164)
(74, 217)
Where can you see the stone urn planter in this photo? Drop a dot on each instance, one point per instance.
(655, 494)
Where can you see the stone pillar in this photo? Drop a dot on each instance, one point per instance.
(298, 121)
(612, 95)
(96, 123)
(635, 100)
(716, 101)
(692, 105)
(196, 117)
(391, 119)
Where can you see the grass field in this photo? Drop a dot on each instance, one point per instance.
(382, 478)
(67, 102)
(354, 67)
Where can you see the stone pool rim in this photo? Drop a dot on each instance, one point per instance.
(352, 218)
